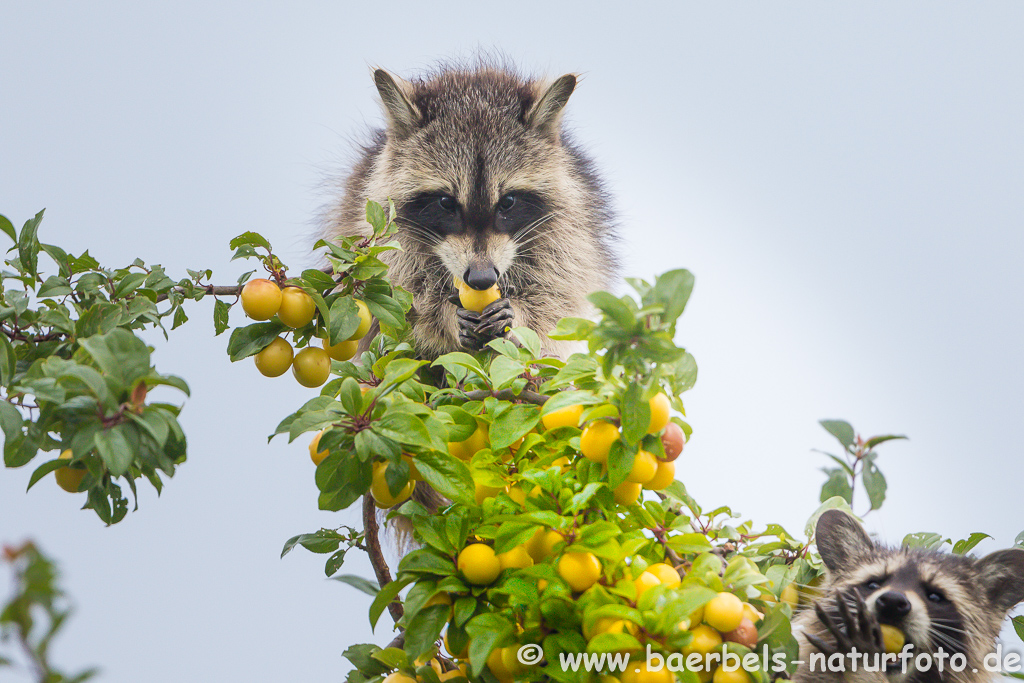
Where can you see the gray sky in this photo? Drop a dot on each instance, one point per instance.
(844, 179)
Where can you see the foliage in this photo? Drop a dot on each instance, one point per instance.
(34, 616)
(498, 435)
(858, 464)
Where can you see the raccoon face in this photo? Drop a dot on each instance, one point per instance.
(937, 599)
(475, 242)
(475, 166)
(911, 597)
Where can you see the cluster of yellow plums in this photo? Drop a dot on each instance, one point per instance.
(725, 618)
(263, 299)
(648, 471)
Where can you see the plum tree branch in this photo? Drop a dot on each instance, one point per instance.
(373, 549)
(215, 290)
(508, 395)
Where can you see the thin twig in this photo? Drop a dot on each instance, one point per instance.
(215, 290)
(380, 566)
(17, 335)
(508, 395)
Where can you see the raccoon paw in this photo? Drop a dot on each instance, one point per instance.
(476, 329)
(851, 624)
(496, 319)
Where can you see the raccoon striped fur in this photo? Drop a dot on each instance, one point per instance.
(488, 189)
(938, 600)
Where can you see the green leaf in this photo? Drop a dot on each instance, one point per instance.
(837, 485)
(964, 546)
(616, 309)
(342, 479)
(344, 319)
(80, 264)
(54, 287)
(1018, 626)
(875, 440)
(924, 539)
(511, 534)
(486, 632)
(251, 339)
(384, 308)
(424, 629)
(834, 502)
(114, 449)
(840, 429)
(672, 290)
(572, 329)
(318, 279)
(28, 244)
(8, 361)
(375, 216)
(564, 399)
(8, 228)
(504, 370)
(128, 284)
(43, 470)
(384, 598)
(220, 316)
(252, 239)
(528, 339)
(392, 658)
(322, 542)
(120, 355)
(620, 463)
(447, 475)
(636, 414)
(512, 424)
(874, 483)
(358, 582)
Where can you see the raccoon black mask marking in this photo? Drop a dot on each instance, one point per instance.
(937, 599)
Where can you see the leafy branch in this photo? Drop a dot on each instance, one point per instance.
(858, 464)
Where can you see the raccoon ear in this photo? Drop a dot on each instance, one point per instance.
(546, 112)
(396, 95)
(1002, 578)
(841, 540)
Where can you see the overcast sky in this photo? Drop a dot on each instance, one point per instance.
(844, 179)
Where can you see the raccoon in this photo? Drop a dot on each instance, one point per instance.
(953, 602)
(488, 189)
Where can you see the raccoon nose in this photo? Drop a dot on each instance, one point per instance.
(483, 278)
(892, 605)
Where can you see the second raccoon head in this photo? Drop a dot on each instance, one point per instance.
(475, 165)
(937, 599)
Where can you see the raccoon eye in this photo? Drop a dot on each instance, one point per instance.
(506, 202)
(872, 585)
(447, 203)
(936, 596)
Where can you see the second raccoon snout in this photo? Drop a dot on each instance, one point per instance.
(479, 276)
(891, 607)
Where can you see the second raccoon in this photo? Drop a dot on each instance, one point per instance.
(938, 600)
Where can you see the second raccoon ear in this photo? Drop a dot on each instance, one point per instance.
(1002, 577)
(546, 113)
(841, 540)
(396, 96)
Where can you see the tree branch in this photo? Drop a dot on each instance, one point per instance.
(17, 335)
(215, 290)
(380, 566)
(508, 395)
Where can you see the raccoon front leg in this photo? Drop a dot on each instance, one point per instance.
(855, 630)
